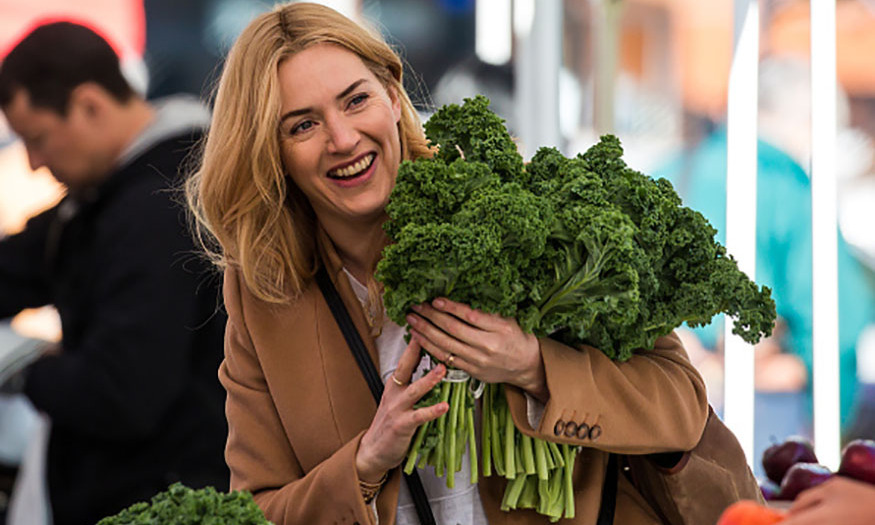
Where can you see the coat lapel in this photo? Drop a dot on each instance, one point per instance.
(314, 379)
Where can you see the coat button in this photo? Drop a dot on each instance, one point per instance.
(559, 427)
(583, 431)
(595, 432)
(570, 429)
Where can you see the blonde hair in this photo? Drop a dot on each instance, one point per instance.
(247, 212)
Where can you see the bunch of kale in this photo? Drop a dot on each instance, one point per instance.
(181, 505)
(582, 249)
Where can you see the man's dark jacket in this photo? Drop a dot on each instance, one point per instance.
(133, 397)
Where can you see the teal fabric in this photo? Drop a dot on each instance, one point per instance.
(783, 248)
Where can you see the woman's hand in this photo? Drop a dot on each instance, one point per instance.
(836, 500)
(489, 347)
(385, 443)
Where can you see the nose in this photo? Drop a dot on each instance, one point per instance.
(343, 136)
(35, 159)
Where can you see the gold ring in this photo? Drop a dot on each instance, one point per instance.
(450, 360)
(396, 381)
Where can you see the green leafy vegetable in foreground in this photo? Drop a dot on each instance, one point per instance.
(583, 249)
(180, 505)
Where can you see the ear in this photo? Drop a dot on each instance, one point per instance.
(88, 100)
(396, 103)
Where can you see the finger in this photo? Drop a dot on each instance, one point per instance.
(806, 500)
(436, 341)
(813, 516)
(450, 324)
(475, 318)
(450, 358)
(425, 384)
(408, 361)
(425, 414)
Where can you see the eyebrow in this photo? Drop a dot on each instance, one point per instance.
(304, 111)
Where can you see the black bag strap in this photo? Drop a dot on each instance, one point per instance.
(609, 493)
(357, 346)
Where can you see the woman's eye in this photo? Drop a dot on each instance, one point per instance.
(301, 127)
(358, 100)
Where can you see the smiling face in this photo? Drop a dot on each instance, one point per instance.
(338, 134)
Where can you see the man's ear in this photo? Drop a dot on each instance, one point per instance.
(87, 99)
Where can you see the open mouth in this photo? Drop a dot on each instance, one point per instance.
(355, 169)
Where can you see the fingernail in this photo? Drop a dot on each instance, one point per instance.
(416, 307)
(411, 320)
(439, 303)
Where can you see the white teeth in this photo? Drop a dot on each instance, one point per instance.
(353, 169)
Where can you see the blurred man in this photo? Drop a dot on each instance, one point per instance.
(132, 393)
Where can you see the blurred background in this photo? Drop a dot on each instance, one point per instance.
(653, 72)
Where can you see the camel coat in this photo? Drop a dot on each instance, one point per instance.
(298, 405)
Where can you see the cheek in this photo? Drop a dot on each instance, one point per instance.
(76, 150)
(301, 164)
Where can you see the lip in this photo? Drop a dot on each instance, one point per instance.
(359, 179)
(349, 163)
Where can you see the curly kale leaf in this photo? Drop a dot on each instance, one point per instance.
(181, 505)
(594, 287)
(583, 249)
(434, 190)
(472, 132)
(465, 264)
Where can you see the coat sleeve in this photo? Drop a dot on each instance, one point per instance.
(654, 402)
(23, 279)
(258, 452)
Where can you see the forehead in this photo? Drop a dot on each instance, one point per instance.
(322, 70)
(22, 115)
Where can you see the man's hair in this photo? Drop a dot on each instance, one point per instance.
(56, 58)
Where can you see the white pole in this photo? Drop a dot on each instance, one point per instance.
(493, 32)
(824, 233)
(538, 33)
(607, 32)
(741, 178)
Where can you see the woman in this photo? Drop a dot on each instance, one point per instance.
(311, 122)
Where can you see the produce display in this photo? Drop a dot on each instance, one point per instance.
(181, 505)
(792, 467)
(778, 458)
(584, 250)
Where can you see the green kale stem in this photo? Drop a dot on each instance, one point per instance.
(486, 431)
(498, 403)
(472, 446)
(512, 493)
(541, 459)
(451, 442)
(569, 452)
(538, 471)
(580, 274)
(414, 449)
(442, 423)
(510, 430)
